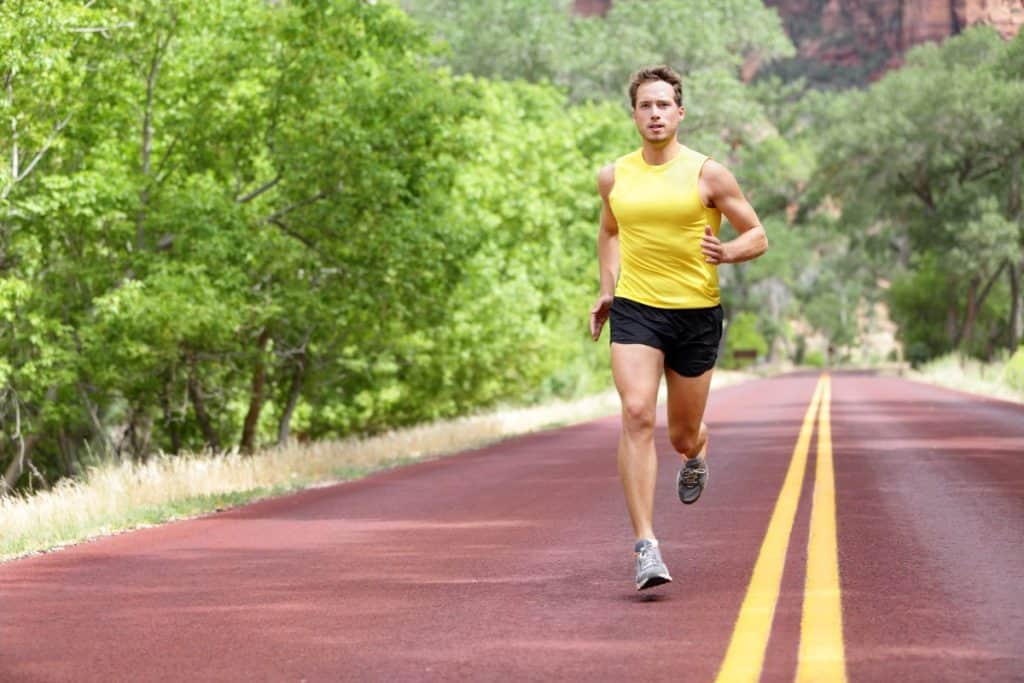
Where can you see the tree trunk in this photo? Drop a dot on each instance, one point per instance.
(195, 394)
(140, 430)
(952, 329)
(294, 391)
(1013, 211)
(975, 299)
(966, 327)
(21, 462)
(146, 143)
(1016, 318)
(252, 418)
(99, 431)
(23, 459)
(66, 453)
(166, 405)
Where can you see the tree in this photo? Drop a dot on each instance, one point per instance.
(926, 164)
(44, 48)
(226, 208)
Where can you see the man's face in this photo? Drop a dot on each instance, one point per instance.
(656, 113)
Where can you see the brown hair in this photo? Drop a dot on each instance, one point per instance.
(661, 72)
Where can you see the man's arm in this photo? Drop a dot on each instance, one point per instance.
(720, 189)
(607, 253)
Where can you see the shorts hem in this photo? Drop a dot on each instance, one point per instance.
(695, 374)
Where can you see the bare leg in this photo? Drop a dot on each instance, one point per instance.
(637, 371)
(687, 398)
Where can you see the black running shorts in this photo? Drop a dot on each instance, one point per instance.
(688, 337)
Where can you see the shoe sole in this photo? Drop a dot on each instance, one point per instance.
(691, 502)
(653, 581)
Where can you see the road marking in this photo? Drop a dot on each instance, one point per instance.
(822, 656)
(745, 656)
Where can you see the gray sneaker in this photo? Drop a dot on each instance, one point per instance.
(650, 569)
(690, 481)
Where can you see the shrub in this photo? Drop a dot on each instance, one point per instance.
(814, 359)
(743, 334)
(1013, 373)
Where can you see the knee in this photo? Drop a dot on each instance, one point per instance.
(686, 441)
(685, 444)
(637, 416)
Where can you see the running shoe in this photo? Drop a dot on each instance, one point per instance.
(650, 569)
(690, 481)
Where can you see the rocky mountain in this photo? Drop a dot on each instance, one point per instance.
(842, 42)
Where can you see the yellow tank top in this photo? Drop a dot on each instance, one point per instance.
(661, 220)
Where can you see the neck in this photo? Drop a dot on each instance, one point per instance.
(661, 152)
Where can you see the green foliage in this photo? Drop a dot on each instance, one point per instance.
(592, 58)
(223, 224)
(1013, 371)
(814, 359)
(217, 216)
(272, 219)
(742, 334)
(832, 310)
(707, 41)
(500, 39)
(926, 165)
(516, 325)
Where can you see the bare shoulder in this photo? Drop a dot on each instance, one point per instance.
(606, 180)
(717, 184)
(717, 176)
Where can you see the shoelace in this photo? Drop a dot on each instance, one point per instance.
(691, 475)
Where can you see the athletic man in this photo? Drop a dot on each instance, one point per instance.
(658, 250)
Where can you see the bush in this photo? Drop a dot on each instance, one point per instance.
(814, 359)
(1013, 373)
(799, 350)
(743, 334)
(919, 353)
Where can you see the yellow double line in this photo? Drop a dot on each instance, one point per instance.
(821, 656)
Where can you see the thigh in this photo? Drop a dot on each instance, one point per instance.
(637, 370)
(687, 398)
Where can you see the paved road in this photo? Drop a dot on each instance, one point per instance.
(514, 562)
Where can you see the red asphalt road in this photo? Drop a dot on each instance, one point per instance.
(514, 562)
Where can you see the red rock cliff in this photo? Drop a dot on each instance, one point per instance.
(591, 7)
(847, 32)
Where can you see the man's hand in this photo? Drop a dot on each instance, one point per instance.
(714, 250)
(599, 314)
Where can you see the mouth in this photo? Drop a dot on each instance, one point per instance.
(656, 127)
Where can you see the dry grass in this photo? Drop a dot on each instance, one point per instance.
(119, 496)
(967, 374)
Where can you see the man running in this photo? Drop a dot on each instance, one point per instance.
(658, 250)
